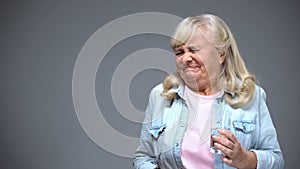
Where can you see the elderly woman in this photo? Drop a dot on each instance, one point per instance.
(210, 113)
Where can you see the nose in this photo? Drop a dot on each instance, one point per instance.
(187, 56)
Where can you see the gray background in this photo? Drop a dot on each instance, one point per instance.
(39, 45)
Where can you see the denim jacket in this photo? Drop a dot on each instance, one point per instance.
(166, 121)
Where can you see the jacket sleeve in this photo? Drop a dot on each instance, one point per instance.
(145, 153)
(267, 150)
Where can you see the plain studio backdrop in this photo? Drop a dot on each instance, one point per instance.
(41, 41)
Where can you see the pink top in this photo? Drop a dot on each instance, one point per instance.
(195, 152)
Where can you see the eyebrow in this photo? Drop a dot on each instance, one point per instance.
(188, 47)
(193, 46)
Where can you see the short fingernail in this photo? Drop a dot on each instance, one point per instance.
(220, 130)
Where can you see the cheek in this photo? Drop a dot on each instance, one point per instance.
(178, 63)
(211, 61)
(213, 68)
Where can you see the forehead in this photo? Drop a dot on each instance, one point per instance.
(197, 40)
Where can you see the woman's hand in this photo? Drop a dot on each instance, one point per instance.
(233, 153)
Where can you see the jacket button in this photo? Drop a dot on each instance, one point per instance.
(177, 145)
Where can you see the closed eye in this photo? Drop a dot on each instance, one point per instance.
(179, 53)
(194, 50)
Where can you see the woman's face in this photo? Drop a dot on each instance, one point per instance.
(199, 64)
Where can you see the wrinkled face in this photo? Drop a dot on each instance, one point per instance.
(199, 64)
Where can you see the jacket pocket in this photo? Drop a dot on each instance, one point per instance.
(156, 131)
(245, 126)
(244, 132)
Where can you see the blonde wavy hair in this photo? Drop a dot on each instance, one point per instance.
(234, 79)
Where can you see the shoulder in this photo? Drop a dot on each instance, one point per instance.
(258, 98)
(156, 92)
(260, 93)
(157, 88)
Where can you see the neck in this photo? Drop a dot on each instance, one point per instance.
(206, 91)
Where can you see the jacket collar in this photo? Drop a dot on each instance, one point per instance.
(180, 89)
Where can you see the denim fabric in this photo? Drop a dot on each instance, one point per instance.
(165, 124)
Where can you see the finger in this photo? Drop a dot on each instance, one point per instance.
(228, 134)
(223, 141)
(226, 160)
(225, 150)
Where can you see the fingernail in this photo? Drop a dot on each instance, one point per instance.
(220, 130)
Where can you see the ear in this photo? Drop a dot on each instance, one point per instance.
(222, 56)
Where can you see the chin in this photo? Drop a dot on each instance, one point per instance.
(189, 77)
(190, 82)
